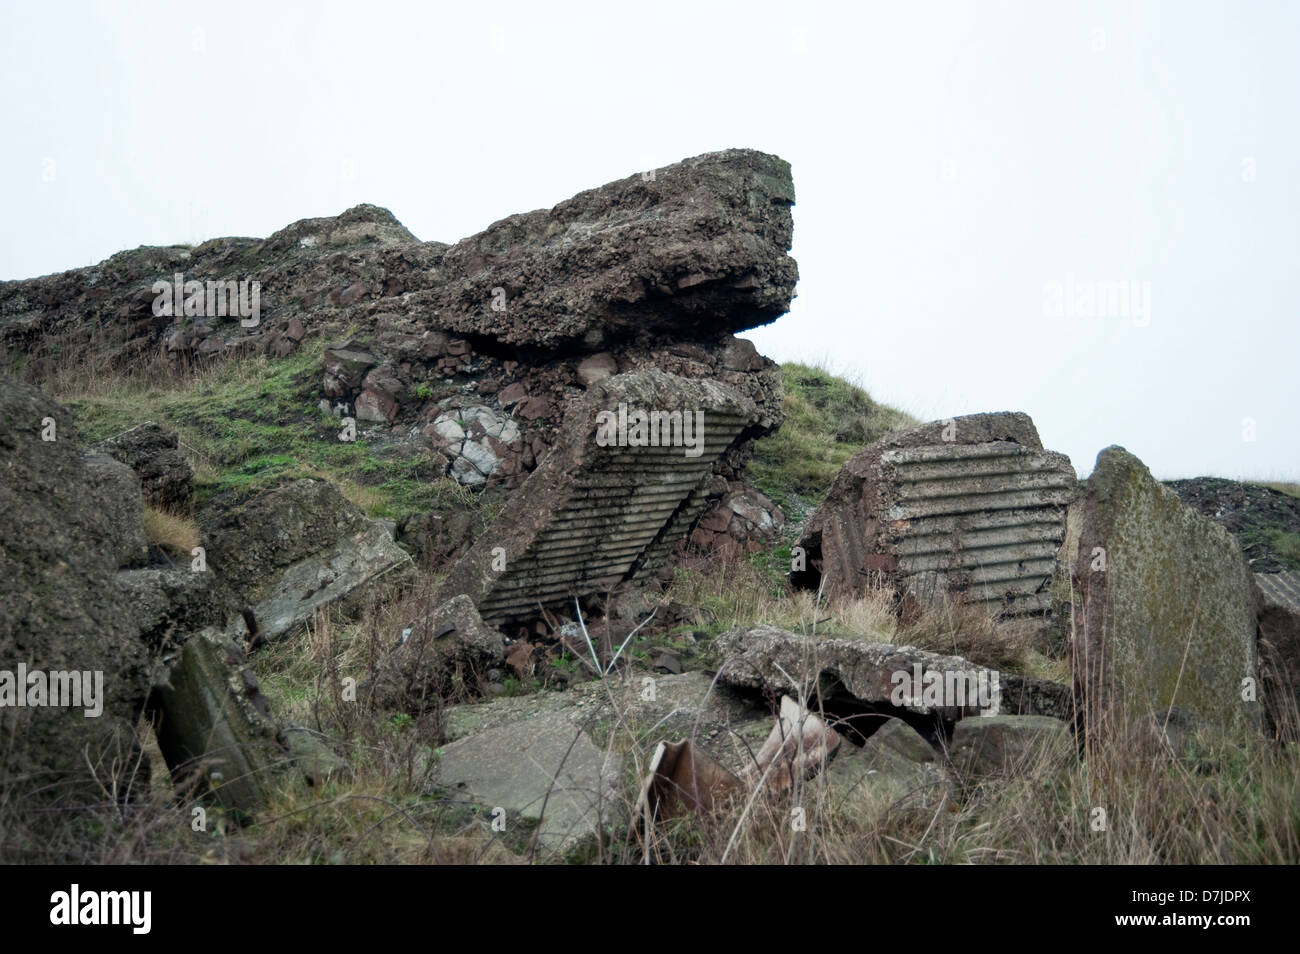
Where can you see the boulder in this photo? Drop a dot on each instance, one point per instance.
(152, 451)
(452, 639)
(344, 370)
(1168, 606)
(1006, 745)
(971, 505)
(742, 521)
(168, 605)
(699, 248)
(116, 491)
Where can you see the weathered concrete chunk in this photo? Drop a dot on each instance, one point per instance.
(895, 764)
(153, 452)
(1004, 745)
(545, 770)
(170, 604)
(700, 243)
(116, 490)
(313, 756)
(60, 612)
(211, 718)
(453, 637)
(1168, 613)
(971, 505)
(292, 550)
(881, 674)
(620, 487)
(335, 576)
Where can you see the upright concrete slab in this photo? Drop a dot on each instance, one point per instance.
(211, 718)
(594, 514)
(1168, 612)
(971, 505)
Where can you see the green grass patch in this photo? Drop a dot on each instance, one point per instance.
(827, 421)
(251, 424)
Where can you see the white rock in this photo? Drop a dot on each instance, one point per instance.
(447, 428)
(481, 456)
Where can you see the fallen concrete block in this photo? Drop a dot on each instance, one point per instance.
(610, 500)
(291, 551)
(894, 765)
(334, 577)
(211, 718)
(881, 675)
(972, 505)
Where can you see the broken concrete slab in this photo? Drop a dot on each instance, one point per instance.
(971, 505)
(293, 550)
(252, 540)
(336, 577)
(211, 719)
(546, 771)
(882, 675)
(1004, 745)
(729, 724)
(153, 452)
(1168, 612)
(609, 501)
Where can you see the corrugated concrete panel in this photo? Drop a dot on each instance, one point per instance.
(972, 505)
(982, 519)
(592, 516)
(1280, 589)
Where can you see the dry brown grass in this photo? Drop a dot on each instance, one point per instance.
(175, 533)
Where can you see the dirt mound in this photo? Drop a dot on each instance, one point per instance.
(1266, 522)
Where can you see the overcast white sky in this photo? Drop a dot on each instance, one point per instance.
(950, 159)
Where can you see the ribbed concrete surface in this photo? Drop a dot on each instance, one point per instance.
(606, 530)
(591, 517)
(987, 519)
(1280, 589)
